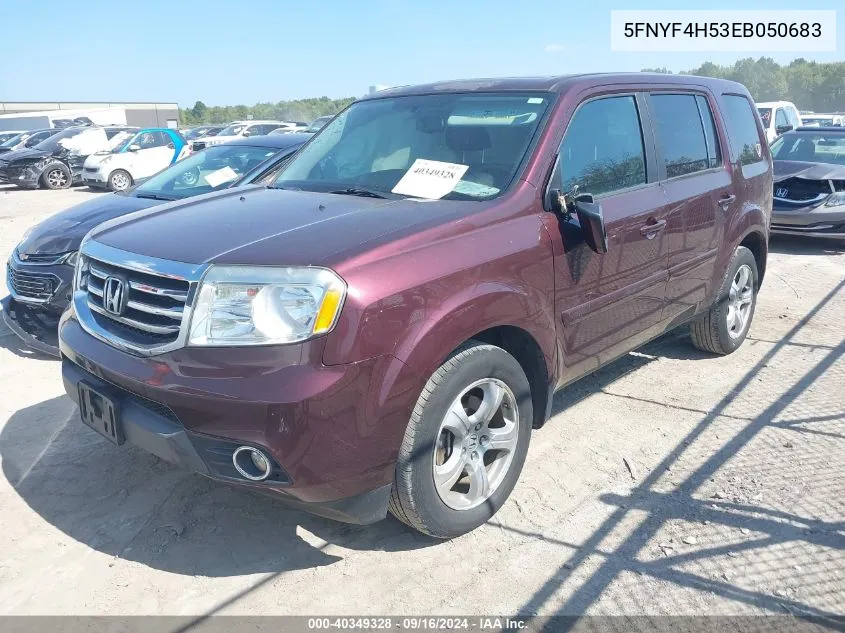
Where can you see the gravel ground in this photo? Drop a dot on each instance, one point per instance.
(670, 482)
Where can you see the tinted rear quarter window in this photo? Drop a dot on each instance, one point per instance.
(681, 134)
(743, 137)
(602, 150)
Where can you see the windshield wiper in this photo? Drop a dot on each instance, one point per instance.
(154, 196)
(358, 191)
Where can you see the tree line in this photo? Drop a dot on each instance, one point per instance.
(816, 86)
(305, 110)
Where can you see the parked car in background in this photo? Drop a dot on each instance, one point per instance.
(384, 325)
(318, 123)
(291, 128)
(56, 162)
(7, 134)
(809, 183)
(40, 270)
(194, 133)
(237, 129)
(823, 120)
(136, 157)
(78, 121)
(778, 117)
(26, 139)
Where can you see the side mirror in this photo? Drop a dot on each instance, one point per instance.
(782, 129)
(592, 224)
(134, 147)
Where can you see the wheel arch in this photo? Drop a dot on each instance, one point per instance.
(755, 241)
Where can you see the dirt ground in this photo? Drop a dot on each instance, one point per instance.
(670, 482)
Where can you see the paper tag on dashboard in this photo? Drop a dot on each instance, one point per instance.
(430, 179)
(218, 177)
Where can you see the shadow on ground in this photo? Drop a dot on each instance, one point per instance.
(805, 246)
(126, 503)
(744, 548)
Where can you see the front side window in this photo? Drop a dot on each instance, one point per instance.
(602, 150)
(474, 143)
(792, 117)
(680, 132)
(744, 138)
(780, 118)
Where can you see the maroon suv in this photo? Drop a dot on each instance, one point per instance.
(383, 327)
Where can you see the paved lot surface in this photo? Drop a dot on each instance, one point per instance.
(668, 483)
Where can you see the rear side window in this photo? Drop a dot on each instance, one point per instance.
(681, 134)
(714, 152)
(742, 130)
(602, 150)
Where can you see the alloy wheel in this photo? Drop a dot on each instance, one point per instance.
(56, 178)
(740, 298)
(475, 444)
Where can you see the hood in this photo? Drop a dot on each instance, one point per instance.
(259, 226)
(63, 232)
(24, 153)
(784, 169)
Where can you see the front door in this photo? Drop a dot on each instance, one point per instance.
(609, 303)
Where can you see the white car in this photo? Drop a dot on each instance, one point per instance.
(778, 118)
(134, 156)
(238, 129)
(822, 120)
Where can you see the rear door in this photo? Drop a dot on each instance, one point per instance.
(610, 303)
(699, 191)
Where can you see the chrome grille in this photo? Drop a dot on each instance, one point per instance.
(154, 309)
(35, 286)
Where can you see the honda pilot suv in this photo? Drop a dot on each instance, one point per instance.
(382, 327)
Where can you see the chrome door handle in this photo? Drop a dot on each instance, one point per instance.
(726, 200)
(650, 230)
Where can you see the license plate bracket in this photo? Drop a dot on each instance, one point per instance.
(101, 413)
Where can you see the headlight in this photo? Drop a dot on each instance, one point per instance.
(835, 199)
(254, 305)
(70, 258)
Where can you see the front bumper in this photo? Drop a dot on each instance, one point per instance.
(37, 329)
(811, 221)
(194, 406)
(21, 175)
(42, 286)
(96, 178)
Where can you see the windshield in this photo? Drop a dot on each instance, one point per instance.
(6, 136)
(766, 115)
(232, 130)
(121, 141)
(214, 168)
(461, 146)
(11, 141)
(815, 147)
(817, 120)
(52, 143)
(195, 133)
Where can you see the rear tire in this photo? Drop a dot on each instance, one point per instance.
(56, 177)
(465, 444)
(724, 327)
(119, 180)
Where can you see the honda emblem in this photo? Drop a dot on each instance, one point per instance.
(114, 295)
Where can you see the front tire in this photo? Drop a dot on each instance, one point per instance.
(724, 327)
(119, 180)
(465, 444)
(56, 177)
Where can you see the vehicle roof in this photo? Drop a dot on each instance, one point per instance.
(820, 128)
(770, 104)
(278, 141)
(558, 84)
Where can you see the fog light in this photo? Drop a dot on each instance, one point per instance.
(251, 463)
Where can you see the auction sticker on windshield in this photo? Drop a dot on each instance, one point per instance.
(218, 177)
(430, 179)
